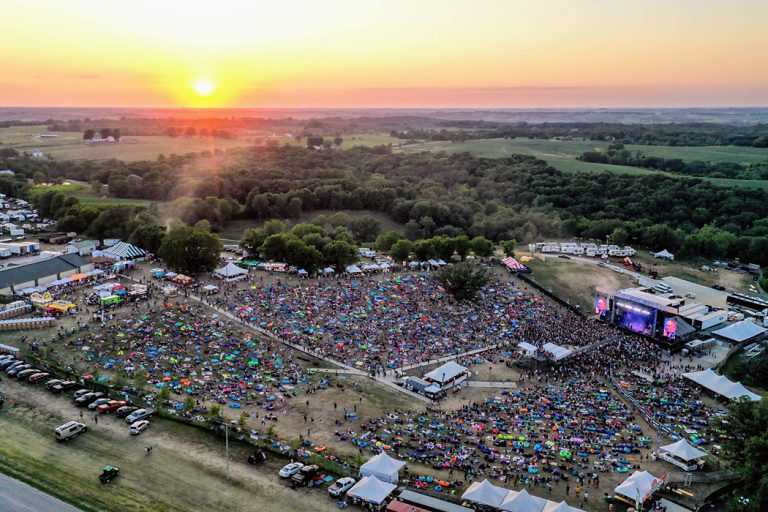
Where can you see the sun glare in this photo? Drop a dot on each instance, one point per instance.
(204, 87)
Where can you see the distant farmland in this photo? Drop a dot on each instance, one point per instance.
(561, 154)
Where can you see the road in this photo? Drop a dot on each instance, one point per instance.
(16, 496)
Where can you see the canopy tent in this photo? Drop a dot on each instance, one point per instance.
(230, 272)
(372, 490)
(59, 282)
(328, 270)
(639, 486)
(446, 373)
(527, 348)
(513, 265)
(485, 493)
(740, 331)
(441, 263)
(681, 454)
(250, 263)
(720, 384)
(211, 288)
(557, 351)
(122, 251)
(665, 254)
(522, 502)
(353, 269)
(383, 467)
(95, 272)
(302, 272)
(370, 267)
(553, 506)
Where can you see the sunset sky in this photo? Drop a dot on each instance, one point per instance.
(370, 53)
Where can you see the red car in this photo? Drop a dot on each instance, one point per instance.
(110, 406)
(38, 377)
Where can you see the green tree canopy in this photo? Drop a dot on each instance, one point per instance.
(482, 247)
(191, 251)
(463, 280)
(401, 249)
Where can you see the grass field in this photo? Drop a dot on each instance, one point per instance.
(186, 471)
(70, 145)
(561, 154)
(235, 229)
(86, 195)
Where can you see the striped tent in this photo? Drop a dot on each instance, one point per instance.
(124, 251)
(513, 265)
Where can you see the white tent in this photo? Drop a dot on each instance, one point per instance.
(353, 269)
(230, 272)
(553, 506)
(522, 502)
(445, 373)
(720, 384)
(328, 270)
(302, 272)
(683, 450)
(638, 486)
(485, 493)
(557, 351)
(741, 331)
(665, 254)
(371, 489)
(383, 467)
(527, 348)
(371, 267)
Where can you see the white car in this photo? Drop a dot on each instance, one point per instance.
(341, 486)
(290, 469)
(138, 427)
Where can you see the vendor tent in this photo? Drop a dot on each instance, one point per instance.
(682, 450)
(210, 288)
(720, 384)
(383, 467)
(302, 272)
(371, 489)
(740, 331)
(526, 348)
(122, 251)
(665, 254)
(557, 351)
(230, 272)
(522, 502)
(553, 506)
(485, 493)
(354, 269)
(328, 270)
(639, 486)
(446, 373)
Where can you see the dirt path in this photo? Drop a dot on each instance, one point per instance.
(185, 472)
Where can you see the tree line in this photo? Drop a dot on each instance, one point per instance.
(616, 154)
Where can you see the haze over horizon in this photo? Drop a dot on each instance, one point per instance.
(395, 54)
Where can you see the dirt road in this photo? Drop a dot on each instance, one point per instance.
(186, 470)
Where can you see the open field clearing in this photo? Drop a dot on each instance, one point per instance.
(86, 195)
(562, 155)
(185, 472)
(70, 145)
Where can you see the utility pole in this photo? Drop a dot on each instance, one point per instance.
(226, 443)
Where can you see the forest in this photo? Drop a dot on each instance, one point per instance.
(431, 194)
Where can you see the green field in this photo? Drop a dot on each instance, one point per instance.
(561, 154)
(86, 195)
(70, 145)
(350, 141)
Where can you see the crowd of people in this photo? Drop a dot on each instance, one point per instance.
(386, 322)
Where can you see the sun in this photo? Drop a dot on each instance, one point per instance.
(204, 87)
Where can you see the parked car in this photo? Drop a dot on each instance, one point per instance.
(138, 427)
(64, 385)
(69, 430)
(16, 369)
(139, 414)
(125, 411)
(108, 473)
(110, 406)
(290, 469)
(305, 475)
(89, 398)
(257, 457)
(96, 403)
(81, 392)
(341, 486)
(8, 362)
(25, 374)
(38, 377)
(52, 382)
